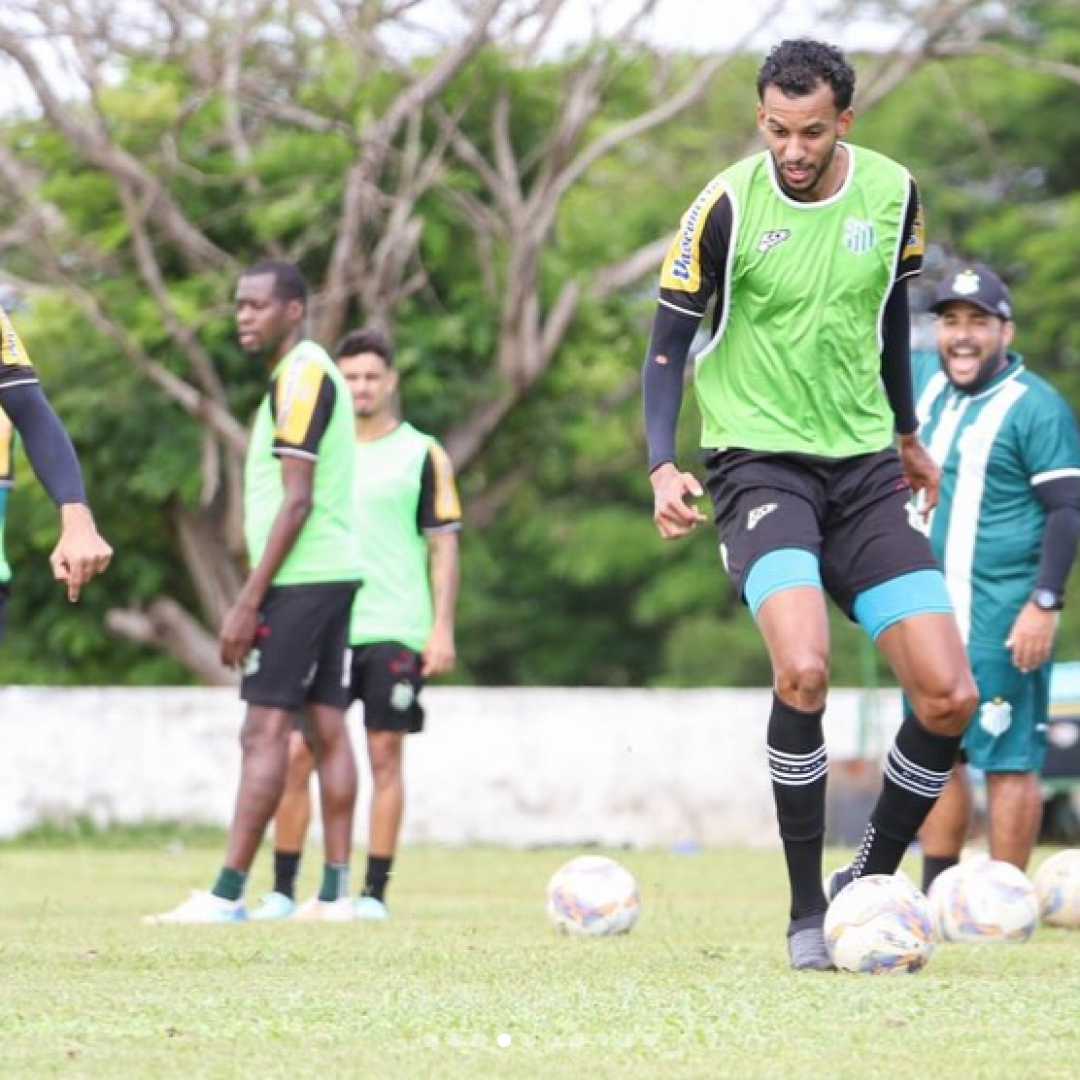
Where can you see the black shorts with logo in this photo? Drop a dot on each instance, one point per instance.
(853, 514)
(301, 647)
(386, 677)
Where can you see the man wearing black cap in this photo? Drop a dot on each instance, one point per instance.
(1005, 529)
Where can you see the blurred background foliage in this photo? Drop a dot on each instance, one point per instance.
(565, 581)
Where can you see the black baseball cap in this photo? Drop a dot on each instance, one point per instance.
(974, 283)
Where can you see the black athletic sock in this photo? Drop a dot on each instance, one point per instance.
(936, 864)
(799, 765)
(377, 877)
(917, 769)
(286, 871)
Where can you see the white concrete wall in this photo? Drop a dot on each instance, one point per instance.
(515, 766)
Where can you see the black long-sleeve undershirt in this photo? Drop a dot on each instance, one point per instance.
(663, 376)
(896, 359)
(1061, 533)
(46, 442)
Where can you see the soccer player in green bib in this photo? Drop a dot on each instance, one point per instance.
(1006, 530)
(288, 628)
(809, 441)
(408, 516)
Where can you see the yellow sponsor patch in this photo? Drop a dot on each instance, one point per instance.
(447, 501)
(915, 245)
(296, 396)
(12, 352)
(682, 266)
(7, 437)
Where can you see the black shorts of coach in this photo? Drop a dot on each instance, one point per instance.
(853, 514)
(300, 653)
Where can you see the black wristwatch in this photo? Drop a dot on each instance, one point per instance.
(1047, 600)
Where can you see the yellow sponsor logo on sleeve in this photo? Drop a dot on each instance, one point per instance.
(915, 245)
(12, 352)
(682, 266)
(447, 500)
(296, 397)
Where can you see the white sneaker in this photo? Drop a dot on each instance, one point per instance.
(200, 907)
(273, 906)
(316, 910)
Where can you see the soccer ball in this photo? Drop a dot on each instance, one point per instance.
(879, 924)
(983, 900)
(592, 896)
(1057, 885)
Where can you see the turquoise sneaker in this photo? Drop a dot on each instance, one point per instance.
(273, 906)
(371, 910)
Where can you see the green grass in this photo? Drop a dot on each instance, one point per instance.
(700, 988)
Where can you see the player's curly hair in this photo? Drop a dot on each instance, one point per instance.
(797, 65)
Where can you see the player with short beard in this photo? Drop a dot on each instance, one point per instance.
(809, 439)
(1006, 531)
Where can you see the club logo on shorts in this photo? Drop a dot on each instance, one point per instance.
(757, 514)
(402, 696)
(770, 239)
(251, 663)
(995, 717)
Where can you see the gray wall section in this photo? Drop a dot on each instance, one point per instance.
(510, 766)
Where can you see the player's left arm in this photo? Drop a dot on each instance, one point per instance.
(80, 553)
(921, 471)
(1053, 447)
(440, 519)
(303, 402)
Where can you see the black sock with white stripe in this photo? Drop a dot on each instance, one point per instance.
(916, 771)
(799, 767)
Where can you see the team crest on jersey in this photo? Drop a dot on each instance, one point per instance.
(995, 717)
(859, 236)
(771, 238)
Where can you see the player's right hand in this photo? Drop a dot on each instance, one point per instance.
(673, 511)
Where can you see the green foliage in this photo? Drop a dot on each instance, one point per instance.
(565, 580)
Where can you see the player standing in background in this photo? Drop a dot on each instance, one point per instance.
(1005, 531)
(288, 628)
(80, 553)
(408, 515)
(803, 388)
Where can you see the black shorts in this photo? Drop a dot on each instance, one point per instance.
(852, 514)
(386, 677)
(301, 647)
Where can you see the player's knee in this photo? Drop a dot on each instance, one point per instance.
(948, 711)
(803, 681)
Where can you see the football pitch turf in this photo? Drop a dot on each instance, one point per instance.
(469, 980)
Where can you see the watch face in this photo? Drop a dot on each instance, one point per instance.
(1046, 599)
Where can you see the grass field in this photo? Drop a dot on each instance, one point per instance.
(468, 980)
